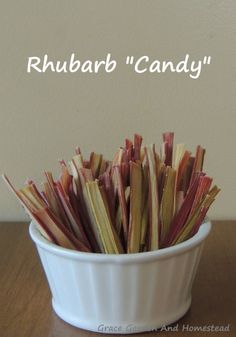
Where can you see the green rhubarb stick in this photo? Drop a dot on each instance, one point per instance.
(95, 163)
(144, 221)
(134, 236)
(153, 199)
(103, 221)
(122, 202)
(167, 202)
(86, 176)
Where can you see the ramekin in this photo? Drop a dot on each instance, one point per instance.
(124, 293)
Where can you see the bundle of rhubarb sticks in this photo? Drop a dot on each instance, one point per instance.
(141, 201)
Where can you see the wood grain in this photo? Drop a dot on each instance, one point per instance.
(25, 307)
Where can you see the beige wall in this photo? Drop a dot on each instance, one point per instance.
(44, 116)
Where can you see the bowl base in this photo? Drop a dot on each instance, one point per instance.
(121, 328)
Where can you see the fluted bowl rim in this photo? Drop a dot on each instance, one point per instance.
(121, 258)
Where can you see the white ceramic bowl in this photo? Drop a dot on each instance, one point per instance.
(124, 293)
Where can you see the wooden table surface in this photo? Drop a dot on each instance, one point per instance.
(25, 306)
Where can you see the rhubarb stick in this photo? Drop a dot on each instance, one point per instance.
(167, 202)
(153, 199)
(134, 237)
(122, 202)
(103, 222)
